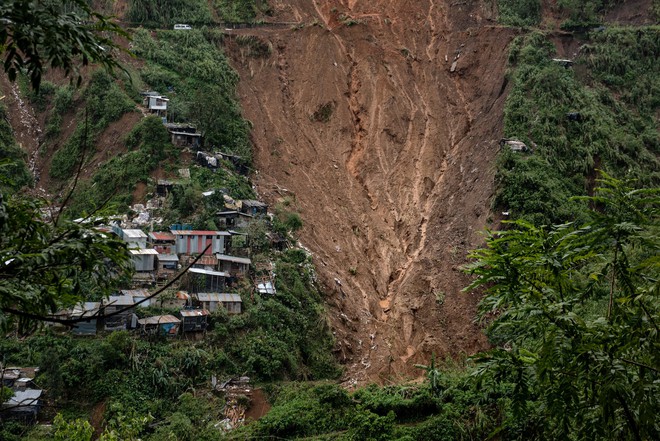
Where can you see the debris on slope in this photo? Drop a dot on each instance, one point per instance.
(395, 182)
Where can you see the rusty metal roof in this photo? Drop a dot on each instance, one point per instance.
(162, 235)
(159, 320)
(218, 297)
(193, 312)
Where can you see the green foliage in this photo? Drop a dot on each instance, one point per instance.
(115, 180)
(304, 410)
(624, 60)
(583, 13)
(14, 173)
(369, 426)
(288, 337)
(105, 103)
(576, 315)
(194, 66)
(241, 10)
(323, 112)
(62, 102)
(39, 98)
(6, 393)
(45, 266)
(520, 12)
(615, 128)
(60, 34)
(169, 12)
(76, 430)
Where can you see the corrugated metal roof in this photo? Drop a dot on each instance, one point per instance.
(218, 297)
(159, 320)
(199, 233)
(86, 309)
(253, 204)
(135, 292)
(27, 397)
(168, 258)
(179, 126)
(207, 260)
(227, 258)
(134, 234)
(143, 252)
(196, 134)
(182, 295)
(119, 301)
(266, 288)
(193, 312)
(162, 235)
(208, 272)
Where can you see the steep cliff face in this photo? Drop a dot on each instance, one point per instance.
(382, 120)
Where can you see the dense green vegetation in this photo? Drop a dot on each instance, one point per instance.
(59, 34)
(201, 84)
(50, 264)
(519, 12)
(577, 120)
(169, 12)
(105, 102)
(575, 317)
(196, 12)
(12, 157)
(112, 184)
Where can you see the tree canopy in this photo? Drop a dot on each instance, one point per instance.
(58, 33)
(574, 311)
(46, 263)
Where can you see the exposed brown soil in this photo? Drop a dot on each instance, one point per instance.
(259, 405)
(395, 187)
(96, 418)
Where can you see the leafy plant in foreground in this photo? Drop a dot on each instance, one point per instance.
(576, 317)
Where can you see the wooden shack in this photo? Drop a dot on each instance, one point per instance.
(253, 208)
(194, 320)
(235, 266)
(184, 135)
(166, 325)
(203, 280)
(24, 405)
(212, 301)
(233, 219)
(166, 265)
(123, 320)
(162, 241)
(90, 311)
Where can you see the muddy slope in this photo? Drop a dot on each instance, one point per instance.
(389, 156)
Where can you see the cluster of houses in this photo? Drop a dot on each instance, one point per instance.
(217, 264)
(25, 403)
(216, 267)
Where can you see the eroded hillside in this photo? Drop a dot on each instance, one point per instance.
(382, 119)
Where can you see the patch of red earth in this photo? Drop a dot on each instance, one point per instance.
(259, 405)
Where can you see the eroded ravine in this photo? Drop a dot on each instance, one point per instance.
(395, 185)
